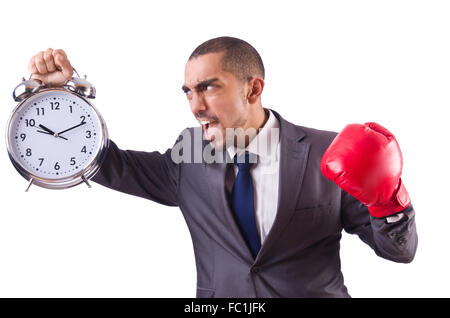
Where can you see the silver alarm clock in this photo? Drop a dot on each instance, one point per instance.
(55, 136)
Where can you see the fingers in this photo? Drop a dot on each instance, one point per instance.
(42, 63)
(38, 77)
(59, 51)
(39, 62)
(49, 61)
(62, 62)
(32, 66)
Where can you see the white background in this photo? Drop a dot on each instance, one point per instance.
(328, 63)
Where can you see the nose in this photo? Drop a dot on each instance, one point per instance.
(197, 102)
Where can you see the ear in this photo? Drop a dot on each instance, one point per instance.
(255, 88)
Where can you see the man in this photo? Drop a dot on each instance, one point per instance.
(265, 221)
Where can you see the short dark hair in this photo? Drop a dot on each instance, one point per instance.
(240, 58)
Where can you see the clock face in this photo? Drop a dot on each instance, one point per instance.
(55, 135)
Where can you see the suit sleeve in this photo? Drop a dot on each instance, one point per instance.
(395, 241)
(150, 175)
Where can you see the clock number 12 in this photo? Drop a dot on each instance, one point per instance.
(54, 105)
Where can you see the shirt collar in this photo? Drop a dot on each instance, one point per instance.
(265, 143)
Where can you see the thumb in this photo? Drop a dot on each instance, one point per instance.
(39, 77)
(63, 63)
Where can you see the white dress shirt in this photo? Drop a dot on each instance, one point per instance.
(265, 173)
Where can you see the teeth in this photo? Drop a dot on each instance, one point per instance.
(204, 122)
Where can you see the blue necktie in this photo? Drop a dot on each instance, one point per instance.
(243, 204)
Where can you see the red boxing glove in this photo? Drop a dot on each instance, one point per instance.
(366, 161)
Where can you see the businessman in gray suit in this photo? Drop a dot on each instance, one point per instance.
(264, 221)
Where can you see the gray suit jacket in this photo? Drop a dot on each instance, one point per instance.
(300, 256)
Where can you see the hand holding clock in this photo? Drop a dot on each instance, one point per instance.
(51, 67)
(52, 99)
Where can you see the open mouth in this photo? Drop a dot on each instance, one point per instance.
(207, 125)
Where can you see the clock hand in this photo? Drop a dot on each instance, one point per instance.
(49, 133)
(61, 132)
(48, 130)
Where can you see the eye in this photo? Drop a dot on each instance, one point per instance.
(210, 87)
(188, 93)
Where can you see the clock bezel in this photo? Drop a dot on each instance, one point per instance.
(66, 182)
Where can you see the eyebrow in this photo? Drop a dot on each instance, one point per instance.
(200, 85)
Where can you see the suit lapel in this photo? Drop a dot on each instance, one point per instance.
(293, 160)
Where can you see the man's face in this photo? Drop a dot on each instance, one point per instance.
(217, 98)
